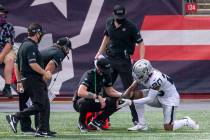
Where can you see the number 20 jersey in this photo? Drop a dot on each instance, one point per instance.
(168, 94)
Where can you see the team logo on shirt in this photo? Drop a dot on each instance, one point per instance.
(123, 29)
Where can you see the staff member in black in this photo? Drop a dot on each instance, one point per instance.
(89, 96)
(29, 72)
(120, 37)
(52, 58)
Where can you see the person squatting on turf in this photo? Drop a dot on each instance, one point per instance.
(89, 96)
(160, 92)
(52, 58)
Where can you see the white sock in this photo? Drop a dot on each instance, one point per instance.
(140, 112)
(179, 123)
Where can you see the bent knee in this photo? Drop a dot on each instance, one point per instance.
(168, 127)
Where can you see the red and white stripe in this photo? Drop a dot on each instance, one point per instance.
(176, 37)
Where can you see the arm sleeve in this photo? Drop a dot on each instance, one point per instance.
(107, 81)
(17, 61)
(108, 22)
(86, 79)
(150, 98)
(136, 35)
(58, 58)
(32, 55)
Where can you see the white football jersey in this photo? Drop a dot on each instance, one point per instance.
(168, 94)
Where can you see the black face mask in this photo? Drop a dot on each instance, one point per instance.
(120, 21)
(40, 38)
(65, 50)
(2, 19)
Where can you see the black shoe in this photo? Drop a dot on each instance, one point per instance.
(12, 120)
(29, 131)
(7, 92)
(46, 134)
(82, 127)
(96, 124)
(52, 132)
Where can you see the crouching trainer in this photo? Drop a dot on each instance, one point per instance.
(89, 96)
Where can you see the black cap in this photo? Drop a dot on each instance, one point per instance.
(3, 9)
(65, 42)
(104, 65)
(35, 28)
(119, 12)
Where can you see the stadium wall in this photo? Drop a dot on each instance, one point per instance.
(176, 44)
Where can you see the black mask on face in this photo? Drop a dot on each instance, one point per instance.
(2, 19)
(40, 37)
(120, 21)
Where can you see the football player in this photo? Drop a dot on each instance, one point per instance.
(160, 92)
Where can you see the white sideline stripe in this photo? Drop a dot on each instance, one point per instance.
(176, 37)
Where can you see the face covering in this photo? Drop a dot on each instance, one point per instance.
(2, 19)
(39, 38)
(120, 21)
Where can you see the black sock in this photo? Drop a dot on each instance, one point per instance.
(18, 115)
(7, 86)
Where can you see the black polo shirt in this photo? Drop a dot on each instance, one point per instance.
(52, 53)
(92, 80)
(28, 53)
(123, 38)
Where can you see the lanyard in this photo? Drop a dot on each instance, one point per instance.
(95, 83)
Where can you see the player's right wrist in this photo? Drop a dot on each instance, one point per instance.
(90, 95)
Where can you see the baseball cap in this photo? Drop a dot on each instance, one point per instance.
(35, 28)
(3, 9)
(65, 42)
(119, 12)
(104, 65)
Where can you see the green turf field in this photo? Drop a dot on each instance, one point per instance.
(66, 126)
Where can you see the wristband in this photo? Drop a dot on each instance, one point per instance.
(19, 81)
(96, 96)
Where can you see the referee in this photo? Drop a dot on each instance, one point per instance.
(52, 58)
(29, 72)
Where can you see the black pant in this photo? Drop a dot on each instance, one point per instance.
(25, 122)
(83, 106)
(36, 89)
(122, 66)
